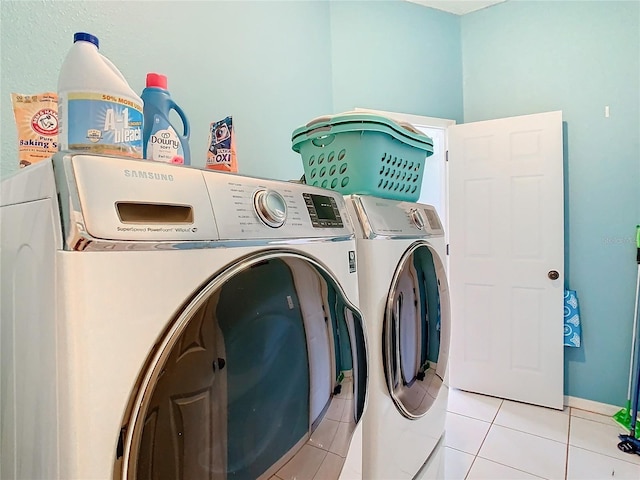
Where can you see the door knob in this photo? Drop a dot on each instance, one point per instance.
(553, 274)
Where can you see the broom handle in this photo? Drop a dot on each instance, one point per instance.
(635, 398)
(635, 332)
(635, 315)
(634, 408)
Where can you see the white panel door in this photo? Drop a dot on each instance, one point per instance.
(506, 221)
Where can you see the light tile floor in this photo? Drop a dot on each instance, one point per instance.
(490, 438)
(324, 453)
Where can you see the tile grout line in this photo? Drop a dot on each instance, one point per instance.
(584, 449)
(497, 411)
(606, 424)
(566, 459)
(606, 455)
(475, 457)
(599, 452)
(567, 444)
(513, 429)
(470, 467)
(512, 468)
(469, 416)
(532, 435)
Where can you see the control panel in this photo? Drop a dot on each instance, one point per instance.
(384, 217)
(323, 210)
(126, 200)
(246, 207)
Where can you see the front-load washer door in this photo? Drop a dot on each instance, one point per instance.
(416, 331)
(256, 377)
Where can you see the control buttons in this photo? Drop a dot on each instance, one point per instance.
(270, 207)
(416, 218)
(321, 213)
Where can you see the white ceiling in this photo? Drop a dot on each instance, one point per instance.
(459, 7)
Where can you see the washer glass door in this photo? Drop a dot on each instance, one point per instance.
(416, 331)
(263, 373)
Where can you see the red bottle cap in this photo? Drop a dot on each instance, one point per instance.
(157, 80)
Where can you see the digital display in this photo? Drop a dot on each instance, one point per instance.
(432, 218)
(324, 208)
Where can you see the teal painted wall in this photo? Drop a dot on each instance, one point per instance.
(266, 63)
(396, 56)
(523, 57)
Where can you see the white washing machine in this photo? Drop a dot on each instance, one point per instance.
(404, 298)
(161, 321)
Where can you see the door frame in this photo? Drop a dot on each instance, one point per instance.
(434, 123)
(431, 122)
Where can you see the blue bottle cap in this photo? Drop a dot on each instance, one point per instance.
(86, 37)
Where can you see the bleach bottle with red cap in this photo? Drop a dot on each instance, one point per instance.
(161, 141)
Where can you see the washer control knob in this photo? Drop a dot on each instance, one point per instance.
(270, 207)
(416, 218)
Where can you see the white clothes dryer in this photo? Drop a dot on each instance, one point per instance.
(161, 321)
(404, 298)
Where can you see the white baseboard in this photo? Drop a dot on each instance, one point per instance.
(591, 406)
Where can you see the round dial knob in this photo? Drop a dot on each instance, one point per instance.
(270, 207)
(416, 218)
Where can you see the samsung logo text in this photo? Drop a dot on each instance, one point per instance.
(148, 175)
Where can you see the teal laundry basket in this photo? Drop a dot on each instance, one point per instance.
(363, 153)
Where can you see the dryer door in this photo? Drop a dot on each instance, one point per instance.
(263, 373)
(416, 331)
